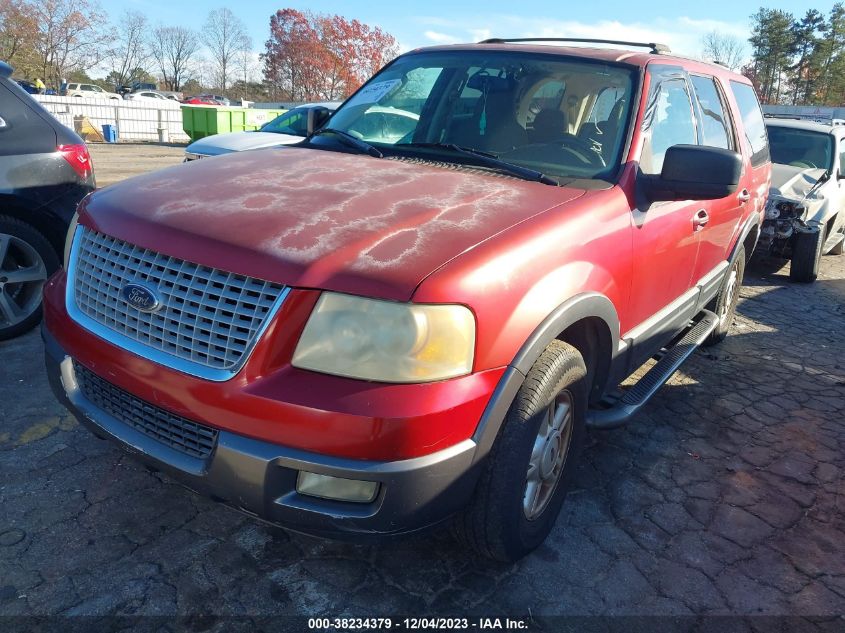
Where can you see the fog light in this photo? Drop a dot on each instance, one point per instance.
(336, 488)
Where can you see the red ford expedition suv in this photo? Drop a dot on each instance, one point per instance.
(415, 314)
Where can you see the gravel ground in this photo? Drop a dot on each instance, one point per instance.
(114, 162)
(724, 497)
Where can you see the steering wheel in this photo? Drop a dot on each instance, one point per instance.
(568, 142)
(582, 148)
(803, 163)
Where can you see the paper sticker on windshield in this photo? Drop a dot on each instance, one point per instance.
(375, 92)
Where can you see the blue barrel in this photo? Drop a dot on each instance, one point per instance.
(110, 133)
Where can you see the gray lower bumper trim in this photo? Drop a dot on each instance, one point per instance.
(260, 478)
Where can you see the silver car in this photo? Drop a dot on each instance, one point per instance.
(805, 213)
(286, 129)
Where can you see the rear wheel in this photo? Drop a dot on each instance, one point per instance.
(527, 472)
(26, 260)
(806, 255)
(725, 303)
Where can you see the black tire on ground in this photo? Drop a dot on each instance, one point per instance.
(724, 305)
(839, 248)
(806, 255)
(496, 523)
(20, 230)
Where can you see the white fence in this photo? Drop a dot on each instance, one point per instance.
(135, 120)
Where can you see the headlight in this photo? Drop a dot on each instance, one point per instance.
(386, 341)
(69, 238)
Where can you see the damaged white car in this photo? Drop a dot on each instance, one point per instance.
(805, 213)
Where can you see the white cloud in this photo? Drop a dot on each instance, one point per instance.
(441, 38)
(682, 34)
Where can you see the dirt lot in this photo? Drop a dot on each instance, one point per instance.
(725, 496)
(113, 163)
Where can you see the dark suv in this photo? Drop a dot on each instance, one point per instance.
(380, 328)
(45, 170)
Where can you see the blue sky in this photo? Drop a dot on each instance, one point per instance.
(679, 24)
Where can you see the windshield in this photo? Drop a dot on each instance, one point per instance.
(294, 122)
(800, 148)
(560, 116)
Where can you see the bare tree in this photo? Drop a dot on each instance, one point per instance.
(174, 49)
(725, 49)
(70, 36)
(247, 63)
(129, 54)
(224, 35)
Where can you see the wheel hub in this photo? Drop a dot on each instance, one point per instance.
(548, 456)
(730, 291)
(550, 453)
(22, 275)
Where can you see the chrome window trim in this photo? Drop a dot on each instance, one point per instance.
(144, 351)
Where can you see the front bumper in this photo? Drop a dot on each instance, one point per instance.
(259, 477)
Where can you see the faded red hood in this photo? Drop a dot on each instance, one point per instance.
(318, 219)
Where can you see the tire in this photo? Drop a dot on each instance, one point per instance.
(806, 255)
(724, 305)
(840, 246)
(26, 261)
(502, 521)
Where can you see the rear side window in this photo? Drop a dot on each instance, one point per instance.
(715, 125)
(753, 125)
(670, 123)
(24, 132)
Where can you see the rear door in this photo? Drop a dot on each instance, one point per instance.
(721, 218)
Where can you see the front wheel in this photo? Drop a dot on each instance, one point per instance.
(806, 256)
(525, 479)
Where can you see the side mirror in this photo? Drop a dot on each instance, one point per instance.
(695, 172)
(317, 118)
(839, 174)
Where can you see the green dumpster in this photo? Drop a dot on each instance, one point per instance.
(200, 121)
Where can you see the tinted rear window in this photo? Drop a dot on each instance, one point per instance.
(753, 125)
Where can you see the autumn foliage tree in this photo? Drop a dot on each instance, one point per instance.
(322, 57)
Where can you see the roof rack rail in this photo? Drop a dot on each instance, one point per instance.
(655, 47)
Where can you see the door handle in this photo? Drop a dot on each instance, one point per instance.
(700, 219)
(743, 196)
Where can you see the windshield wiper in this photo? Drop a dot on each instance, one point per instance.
(489, 160)
(350, 141)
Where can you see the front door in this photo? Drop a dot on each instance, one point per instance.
(665, 237)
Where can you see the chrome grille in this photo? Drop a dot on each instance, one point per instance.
(209, 318)
(177, 432)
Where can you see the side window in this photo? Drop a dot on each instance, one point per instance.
(842, 155)
(754, 128)
(546, 96)
(669, 122)
(603, 106)
(24, 132)
(715, 125)
(294, 122)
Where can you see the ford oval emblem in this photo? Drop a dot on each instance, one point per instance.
(140, 297)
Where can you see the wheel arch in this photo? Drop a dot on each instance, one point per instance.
(747, 238)
(41, 219)
(589, 322)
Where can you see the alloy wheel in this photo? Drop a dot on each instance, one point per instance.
(548, 455)
(22, 276)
